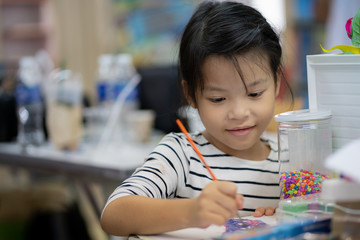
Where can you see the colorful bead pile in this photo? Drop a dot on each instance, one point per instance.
(299, 183)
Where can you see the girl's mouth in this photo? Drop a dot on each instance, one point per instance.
(241, 131)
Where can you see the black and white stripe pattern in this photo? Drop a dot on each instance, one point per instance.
(173, 170)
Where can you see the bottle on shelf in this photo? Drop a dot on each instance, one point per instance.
(124, 72)
(117, 94)
(29, 103)
(64, 94)
(104, 79)
(114, 73)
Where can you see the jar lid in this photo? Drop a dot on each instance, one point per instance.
(303, 115)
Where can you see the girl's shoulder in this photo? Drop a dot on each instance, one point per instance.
(177, 143)
(180, 138)
(270, 139)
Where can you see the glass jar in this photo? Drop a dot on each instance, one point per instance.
(304, 140)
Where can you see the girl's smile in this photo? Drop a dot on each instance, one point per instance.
(241, 131)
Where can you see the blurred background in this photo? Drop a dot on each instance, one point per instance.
(83, 54)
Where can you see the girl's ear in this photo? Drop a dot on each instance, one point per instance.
(186, 94)
(278, 83)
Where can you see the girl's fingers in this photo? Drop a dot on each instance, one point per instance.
(220, 214)
(259, 212)
(229, 199)
(207, 211)
(269, 211)
(227, 188)
(229, 204)
(239, 201)
(223, 194)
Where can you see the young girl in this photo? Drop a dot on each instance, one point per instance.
(230, 65)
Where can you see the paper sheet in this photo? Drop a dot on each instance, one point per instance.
(207, 233)
(346, 160)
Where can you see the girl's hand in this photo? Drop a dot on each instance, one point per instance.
(261, 211)
(217, 203)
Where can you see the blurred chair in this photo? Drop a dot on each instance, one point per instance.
(8, 117)
(160, 92)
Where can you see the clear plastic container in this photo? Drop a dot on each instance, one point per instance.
(304, 208)
(305, 140)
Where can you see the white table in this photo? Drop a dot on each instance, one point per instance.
(112, 163)
(88, 164)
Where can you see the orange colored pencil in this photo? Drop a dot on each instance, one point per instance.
(183, 129)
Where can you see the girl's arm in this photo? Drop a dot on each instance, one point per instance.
(142, 215)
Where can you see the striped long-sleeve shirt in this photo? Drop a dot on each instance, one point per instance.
(174, 170)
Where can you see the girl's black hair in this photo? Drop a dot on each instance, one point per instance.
(226, 29)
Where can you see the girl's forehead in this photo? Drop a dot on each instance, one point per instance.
(247, 66)
(250, 59)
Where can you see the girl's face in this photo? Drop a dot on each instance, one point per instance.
(234, 117)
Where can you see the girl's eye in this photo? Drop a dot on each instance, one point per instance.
(255, 94)
(217, 100)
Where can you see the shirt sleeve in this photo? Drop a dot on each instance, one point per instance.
(158, 177)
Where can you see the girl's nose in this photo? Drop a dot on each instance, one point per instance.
(238, 111)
